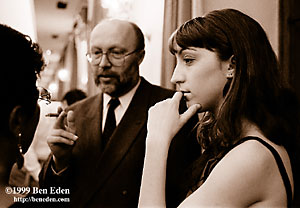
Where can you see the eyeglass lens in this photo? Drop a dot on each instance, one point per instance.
(113, 58)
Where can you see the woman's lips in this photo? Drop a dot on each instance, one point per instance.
(185, 94)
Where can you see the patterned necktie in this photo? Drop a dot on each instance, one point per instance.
(110, 123)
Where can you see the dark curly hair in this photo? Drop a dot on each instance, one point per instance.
(21, 63)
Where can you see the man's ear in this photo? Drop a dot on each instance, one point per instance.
(141, 56)
(15, 120)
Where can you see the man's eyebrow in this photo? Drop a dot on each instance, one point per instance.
(109, 49)
(118, 48)
(95, 48)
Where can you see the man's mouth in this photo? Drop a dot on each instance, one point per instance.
(106, 77)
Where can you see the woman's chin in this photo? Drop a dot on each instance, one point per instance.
(189, 103)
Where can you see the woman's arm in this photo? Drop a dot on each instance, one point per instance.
(164, 122)
(152, 192)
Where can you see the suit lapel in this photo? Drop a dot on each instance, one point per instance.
(93, 121)
(88, 127)
(125, 134)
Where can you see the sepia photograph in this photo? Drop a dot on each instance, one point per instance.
(150, 103)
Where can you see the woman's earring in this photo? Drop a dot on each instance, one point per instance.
(231, 68)
(20, 157)
(230, 71)
(229, 74)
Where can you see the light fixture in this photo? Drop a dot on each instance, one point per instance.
(53, 87)
(48, 52)
(117, 8)
(63, 75)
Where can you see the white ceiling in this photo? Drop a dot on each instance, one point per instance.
(52, 21)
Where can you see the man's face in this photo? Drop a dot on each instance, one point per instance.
(117, 37)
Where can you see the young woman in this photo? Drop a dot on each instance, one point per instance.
(226, 69)
(21, 64)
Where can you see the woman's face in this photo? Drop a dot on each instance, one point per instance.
(201, 76)
(20, 122)
(29, 128)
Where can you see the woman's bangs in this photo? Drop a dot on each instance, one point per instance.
(192, 34)
(172, 43)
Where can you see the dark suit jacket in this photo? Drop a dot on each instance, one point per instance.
(110, 178)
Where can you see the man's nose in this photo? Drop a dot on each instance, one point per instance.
(177, 77)
(104, 61)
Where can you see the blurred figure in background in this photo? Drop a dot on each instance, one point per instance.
(21, 64)
(71, 97)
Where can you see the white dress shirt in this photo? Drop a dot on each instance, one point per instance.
(121, 109)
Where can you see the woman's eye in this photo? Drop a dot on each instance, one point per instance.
(188, 60)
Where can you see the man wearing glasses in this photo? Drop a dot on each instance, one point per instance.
(100, 153)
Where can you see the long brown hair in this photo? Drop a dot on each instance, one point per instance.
(257, 91)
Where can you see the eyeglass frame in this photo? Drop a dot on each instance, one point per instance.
(107, 54)
(44, 96)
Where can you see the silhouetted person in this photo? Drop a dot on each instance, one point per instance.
(21, 63)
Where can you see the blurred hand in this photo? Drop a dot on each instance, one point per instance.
(62, 139)
(59, 110)
(164, 120)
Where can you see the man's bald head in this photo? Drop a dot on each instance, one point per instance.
(122, 27)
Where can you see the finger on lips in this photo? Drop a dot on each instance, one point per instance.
(177, 97)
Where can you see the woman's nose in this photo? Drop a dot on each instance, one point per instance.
(178, 76)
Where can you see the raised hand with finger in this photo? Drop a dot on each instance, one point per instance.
(62, 139)
(164, 120)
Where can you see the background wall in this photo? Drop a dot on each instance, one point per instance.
(19, 15)
(266, 12)
(149, 16)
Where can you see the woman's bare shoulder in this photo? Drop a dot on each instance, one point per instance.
(247, 174)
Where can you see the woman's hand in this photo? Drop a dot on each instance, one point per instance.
(164, 120)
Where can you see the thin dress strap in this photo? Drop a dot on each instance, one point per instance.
(281, 167)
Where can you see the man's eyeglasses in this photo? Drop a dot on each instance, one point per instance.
(44, 94)
(116, 58)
